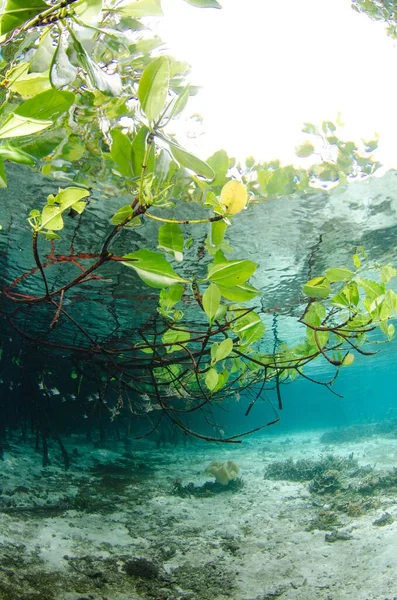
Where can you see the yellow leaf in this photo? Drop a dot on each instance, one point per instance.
(348, 360)
(234, 197)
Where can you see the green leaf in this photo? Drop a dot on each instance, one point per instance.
(304, 150)
(348, 296)
(357, 261)
(139, 8)
(211, 301)
(322, 338)
(338, 274)
(153, 87)
(180, 103)
(190, 161)
(319, 287)
(204, 3)
(8, 152)
(14, 13)
(239, 293)
(315, 314)
(371, 289)
(48, 105)
(3, 176)
(223, 349)
(152, 268)
(348, 360)
(16, 126)
(218, 229)
(219, 162)
(249, 328)
(122, 214)
(121, 152)
(214, 202)
(222, 380)
(138, 151)
(51, 215)
(51, 218)
(211, 379)
(171, 240)
(231, 273)
(387, 273)
(169, 297)
(279, 181)
(175, 339)
(62, 72)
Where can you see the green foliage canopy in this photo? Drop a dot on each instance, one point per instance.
(88, 93)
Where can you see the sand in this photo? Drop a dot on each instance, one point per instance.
(112, 528)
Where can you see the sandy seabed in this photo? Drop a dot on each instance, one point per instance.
(112, 527)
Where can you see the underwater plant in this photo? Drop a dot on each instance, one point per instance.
(88, 99)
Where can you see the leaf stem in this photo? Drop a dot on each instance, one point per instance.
(185, 221)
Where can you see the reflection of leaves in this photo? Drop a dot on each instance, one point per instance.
(140, 8)
(204, 3)
(97, 77)
(62, 72)
(50, 104)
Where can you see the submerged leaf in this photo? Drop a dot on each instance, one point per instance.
(171, 240)
(152, 268)
(319, 287)
(239, 293)
(62, 72)
(232, 272)
(211, 379)
(211, 301)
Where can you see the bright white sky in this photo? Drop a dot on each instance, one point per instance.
(266, 66)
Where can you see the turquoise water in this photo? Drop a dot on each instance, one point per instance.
(311, 512)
